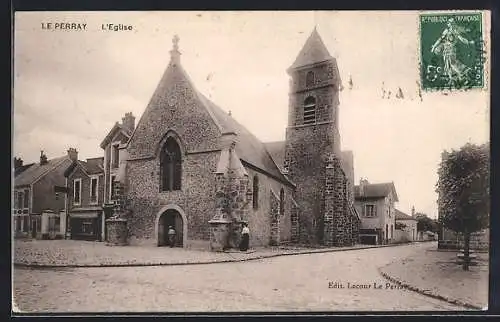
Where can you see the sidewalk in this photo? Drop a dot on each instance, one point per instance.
(71, 253)
(437, 274)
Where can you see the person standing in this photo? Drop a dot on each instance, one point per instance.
(171, 236)
(245, 237)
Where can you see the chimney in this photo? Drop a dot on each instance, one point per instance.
(129, 121)
(362, 184)
(413, 211)
(43, 158)
(18, 162)
(73, 154)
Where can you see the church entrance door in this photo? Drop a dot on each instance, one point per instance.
(171, 217)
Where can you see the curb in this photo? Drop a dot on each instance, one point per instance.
(427, 292)
(233, 260)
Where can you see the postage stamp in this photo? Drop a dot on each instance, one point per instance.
(451, 51)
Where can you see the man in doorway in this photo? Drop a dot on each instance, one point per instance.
(171, 236)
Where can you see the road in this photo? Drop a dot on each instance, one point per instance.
(288, 283)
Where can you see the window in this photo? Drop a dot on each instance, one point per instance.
(115, 156)
(87, 227)
(57, 224)
(255, 195)
(282, 202)
(21, 202)
(26, 223)
(309, 79)
(170, 166)
(369, 211)
(94, 184)
(112, 181)
(26, 199)
(77, 191)
(18, 223)
(309, 110)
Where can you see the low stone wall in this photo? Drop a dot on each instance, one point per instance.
(454, 244)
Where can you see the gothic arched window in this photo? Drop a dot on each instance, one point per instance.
(255, 197)
(309, 110)
(170, 166)
(282, 202)
(309, 79)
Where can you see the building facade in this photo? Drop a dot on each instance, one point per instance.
(188, 163)
(407, 225)
(376, 204)
(34, 195)
(85, 186)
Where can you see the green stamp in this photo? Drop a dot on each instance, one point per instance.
(451, 51)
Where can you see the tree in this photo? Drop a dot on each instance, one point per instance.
(464, 187)
(424, 223)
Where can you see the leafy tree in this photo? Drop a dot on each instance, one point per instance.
(424, 223)
(464, 187)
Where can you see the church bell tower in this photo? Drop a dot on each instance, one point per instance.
(312, 134)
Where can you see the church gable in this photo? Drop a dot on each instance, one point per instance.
(175, 106)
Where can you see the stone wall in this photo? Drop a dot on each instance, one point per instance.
(259, 221)
(274, 218)
(294, 218)
(174, 106)
(196, 197)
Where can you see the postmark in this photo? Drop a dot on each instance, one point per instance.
(451, 51)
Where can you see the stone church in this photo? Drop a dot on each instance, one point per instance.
(191, 165)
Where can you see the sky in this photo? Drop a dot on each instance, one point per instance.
(70, 87)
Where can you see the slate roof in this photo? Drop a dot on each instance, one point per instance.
(94, 165)
(314, 51)
(376, 190)
(248, 147)
(21, 169)
(402, 216)
(111, 134)
(91, 166)
(37, 170)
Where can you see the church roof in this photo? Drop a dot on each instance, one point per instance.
(248, 147)
(277, 151)
(314, 51)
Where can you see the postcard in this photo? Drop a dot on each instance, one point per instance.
(250, 161)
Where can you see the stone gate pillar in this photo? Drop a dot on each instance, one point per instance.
(274, 219)
(231, 185)
(329, 230)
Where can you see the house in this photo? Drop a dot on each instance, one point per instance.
(34, 195)
(406, 225)
(188, 164)
(85, 186)
(376, 204)
(115, 140)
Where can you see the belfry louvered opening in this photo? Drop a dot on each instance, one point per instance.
(310, 110)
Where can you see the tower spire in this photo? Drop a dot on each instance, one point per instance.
(175, 53)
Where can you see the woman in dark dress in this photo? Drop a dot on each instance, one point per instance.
(245, 238)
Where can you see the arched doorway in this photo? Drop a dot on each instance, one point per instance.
(171, 217)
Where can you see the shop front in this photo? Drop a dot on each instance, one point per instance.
(86, 225)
